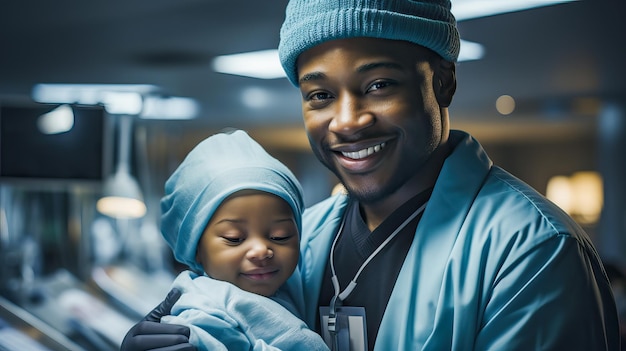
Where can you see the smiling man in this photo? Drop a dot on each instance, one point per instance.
(438, 248)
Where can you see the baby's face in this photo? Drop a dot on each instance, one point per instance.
(251, 241)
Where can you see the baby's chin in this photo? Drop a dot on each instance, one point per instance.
(263, 290)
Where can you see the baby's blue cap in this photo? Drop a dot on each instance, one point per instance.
(308, 23)
(215, 169)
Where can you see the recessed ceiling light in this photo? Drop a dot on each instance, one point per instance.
(57, 121)
(143, 100)
(263, 64)
(470, 51)
(169, 107)
(469, 9)
(505, 105)
(85, 94)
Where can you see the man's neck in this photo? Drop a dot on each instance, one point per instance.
(374, 213)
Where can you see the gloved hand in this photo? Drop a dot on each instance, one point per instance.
(149, 334)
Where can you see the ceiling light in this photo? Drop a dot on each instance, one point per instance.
(170, 107)
(505, 105)
(263, 64)
(57, 121)
(580, 195)
(255, 97)
(122, 103)
(85, 94)
(470, 9)
(143, 100)
(122, 197)
(470, 51)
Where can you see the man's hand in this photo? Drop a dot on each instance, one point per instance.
(150, 334)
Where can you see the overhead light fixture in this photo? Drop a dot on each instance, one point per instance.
(256, 97)
(169, 107)
(505, 104)
(580, 195)
(470, 9)
(116, 98)
(86, 94)
(60, 120)
(470, 51)
(122, 196)
(263, 64)
(122, 103)
(143, 100)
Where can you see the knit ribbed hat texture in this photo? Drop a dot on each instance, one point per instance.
(215, 169)
(312, 22)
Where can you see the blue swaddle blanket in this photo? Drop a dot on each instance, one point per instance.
(223, 317)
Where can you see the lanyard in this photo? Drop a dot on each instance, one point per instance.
(341, 296)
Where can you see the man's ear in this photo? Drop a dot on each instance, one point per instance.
(444, 82)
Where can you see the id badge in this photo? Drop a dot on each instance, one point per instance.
(351, 330)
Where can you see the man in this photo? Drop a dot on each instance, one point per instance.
(433, 247)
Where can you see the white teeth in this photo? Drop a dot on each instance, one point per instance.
(357, 155)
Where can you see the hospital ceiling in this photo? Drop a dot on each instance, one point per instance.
(560, 63)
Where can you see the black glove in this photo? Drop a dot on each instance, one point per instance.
(150, 334)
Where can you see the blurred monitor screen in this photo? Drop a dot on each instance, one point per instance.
(46, 142)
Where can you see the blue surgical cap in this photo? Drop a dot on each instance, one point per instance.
(308, 23)
(216, 168)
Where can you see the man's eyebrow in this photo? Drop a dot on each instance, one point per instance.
(374, 65)
(311, 76)
(361, 69)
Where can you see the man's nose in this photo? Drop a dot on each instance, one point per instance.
(350, 116)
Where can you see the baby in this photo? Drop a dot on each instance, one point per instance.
(232, 213)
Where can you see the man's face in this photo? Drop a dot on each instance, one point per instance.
(371, 112)
(251, 241)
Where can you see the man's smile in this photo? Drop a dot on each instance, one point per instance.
(357, 155)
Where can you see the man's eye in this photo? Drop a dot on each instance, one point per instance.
(378, 86)
(319, 96)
